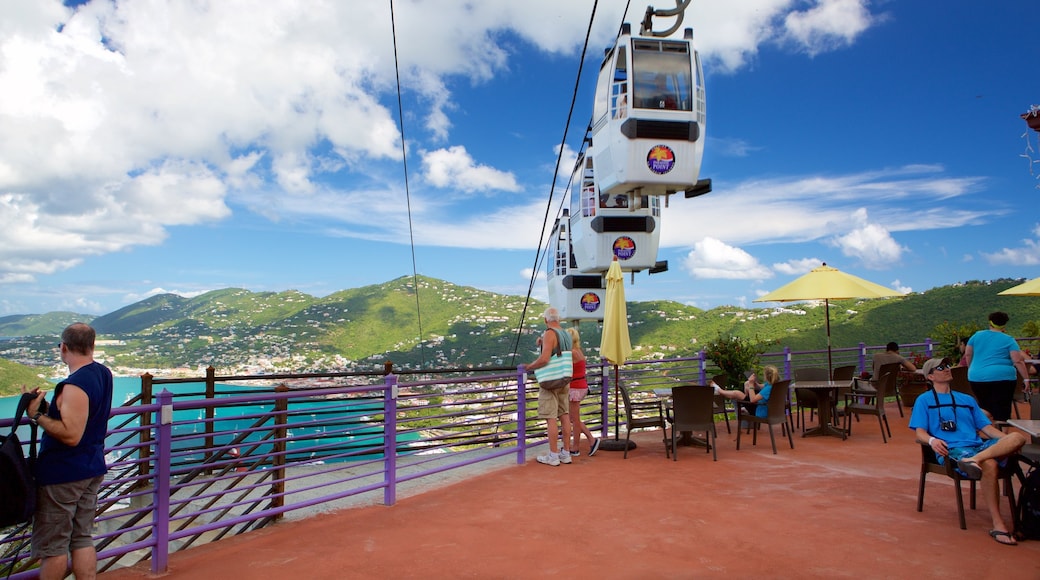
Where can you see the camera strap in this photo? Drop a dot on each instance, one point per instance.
(938, 405)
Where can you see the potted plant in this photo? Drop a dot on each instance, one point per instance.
(734, 355)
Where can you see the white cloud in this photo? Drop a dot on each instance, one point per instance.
(711, 258)
(869, 242)
(797, 267)
(122, 119)
(454, 168)
(828, 24)
(899, 286)
(1026, 255)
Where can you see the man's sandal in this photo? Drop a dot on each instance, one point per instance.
(997, 535)
(970, 468)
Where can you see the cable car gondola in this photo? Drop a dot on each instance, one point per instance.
(647, 141)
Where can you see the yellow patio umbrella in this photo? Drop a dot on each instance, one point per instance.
(615, 345)
(827, 283)
(1030, 288)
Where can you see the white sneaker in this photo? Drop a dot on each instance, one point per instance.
(565, 457)
(550, 460)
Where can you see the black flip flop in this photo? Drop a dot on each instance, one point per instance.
(970, 468)
(995, 534)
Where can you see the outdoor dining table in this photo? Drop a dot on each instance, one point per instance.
(1031, 426)
(825, 391)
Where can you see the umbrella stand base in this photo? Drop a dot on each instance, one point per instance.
(616, 444)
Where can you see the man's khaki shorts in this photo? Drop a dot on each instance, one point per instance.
(552, 404)
(64, 519)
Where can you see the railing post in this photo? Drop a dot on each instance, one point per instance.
(161, 489)
(211, 393)
(787, 362)
(702, 363)
(862, 358)
(604, 408)
(390, 440)
(521, 415)
(928, 347)
(281, 417)
(145, 436)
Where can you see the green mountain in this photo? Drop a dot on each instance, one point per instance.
(51, 323)
(14, 375)
(358, 329)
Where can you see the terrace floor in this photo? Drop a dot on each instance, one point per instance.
(828, 508)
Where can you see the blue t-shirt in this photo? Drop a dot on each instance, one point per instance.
(762, 410)
(969, 417)
(991, 357)
(60, 463)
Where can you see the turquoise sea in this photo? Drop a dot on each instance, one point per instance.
(307, 431)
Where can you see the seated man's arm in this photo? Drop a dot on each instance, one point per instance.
(937, 445)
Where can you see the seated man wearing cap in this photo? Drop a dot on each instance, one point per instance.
(950, 423)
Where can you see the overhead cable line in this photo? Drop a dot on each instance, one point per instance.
(407, 191)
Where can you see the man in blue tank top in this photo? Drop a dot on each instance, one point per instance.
(71, 464)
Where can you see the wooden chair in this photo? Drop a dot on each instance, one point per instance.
(930, 464)
(805, 398)
(869, 402)
(776, 415)
(693, 410)
(655, 418)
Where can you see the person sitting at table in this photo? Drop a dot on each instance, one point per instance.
(761, 396)
(891, 355)
(950, 423)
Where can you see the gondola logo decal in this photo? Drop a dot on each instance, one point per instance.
(660, 159)
(590, 302)
(624, 248)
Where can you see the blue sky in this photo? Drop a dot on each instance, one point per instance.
(161, 146)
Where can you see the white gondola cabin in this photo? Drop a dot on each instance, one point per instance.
(649, 116)
(647, 141)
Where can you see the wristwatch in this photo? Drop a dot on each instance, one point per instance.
(35, 419)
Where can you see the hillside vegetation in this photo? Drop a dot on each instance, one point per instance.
(13, 375)
(358, 329)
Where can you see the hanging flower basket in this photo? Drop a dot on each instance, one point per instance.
(1032, 119)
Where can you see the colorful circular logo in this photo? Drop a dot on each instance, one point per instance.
(660, 159)
(590, 302)
(624, 248)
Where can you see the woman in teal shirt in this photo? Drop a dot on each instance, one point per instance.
(993, 358)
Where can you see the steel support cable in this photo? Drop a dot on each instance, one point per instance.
(407, 191)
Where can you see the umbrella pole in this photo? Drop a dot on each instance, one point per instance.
(616, 444)
(827, 313)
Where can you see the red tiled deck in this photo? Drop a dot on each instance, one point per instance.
(827, 508)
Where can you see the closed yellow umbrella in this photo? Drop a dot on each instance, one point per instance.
(827, 283)
(1030, 288)
(615, 345)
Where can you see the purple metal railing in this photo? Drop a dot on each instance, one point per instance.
(185, 469)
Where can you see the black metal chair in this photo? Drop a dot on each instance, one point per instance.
(693, 409)
(636, 417)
